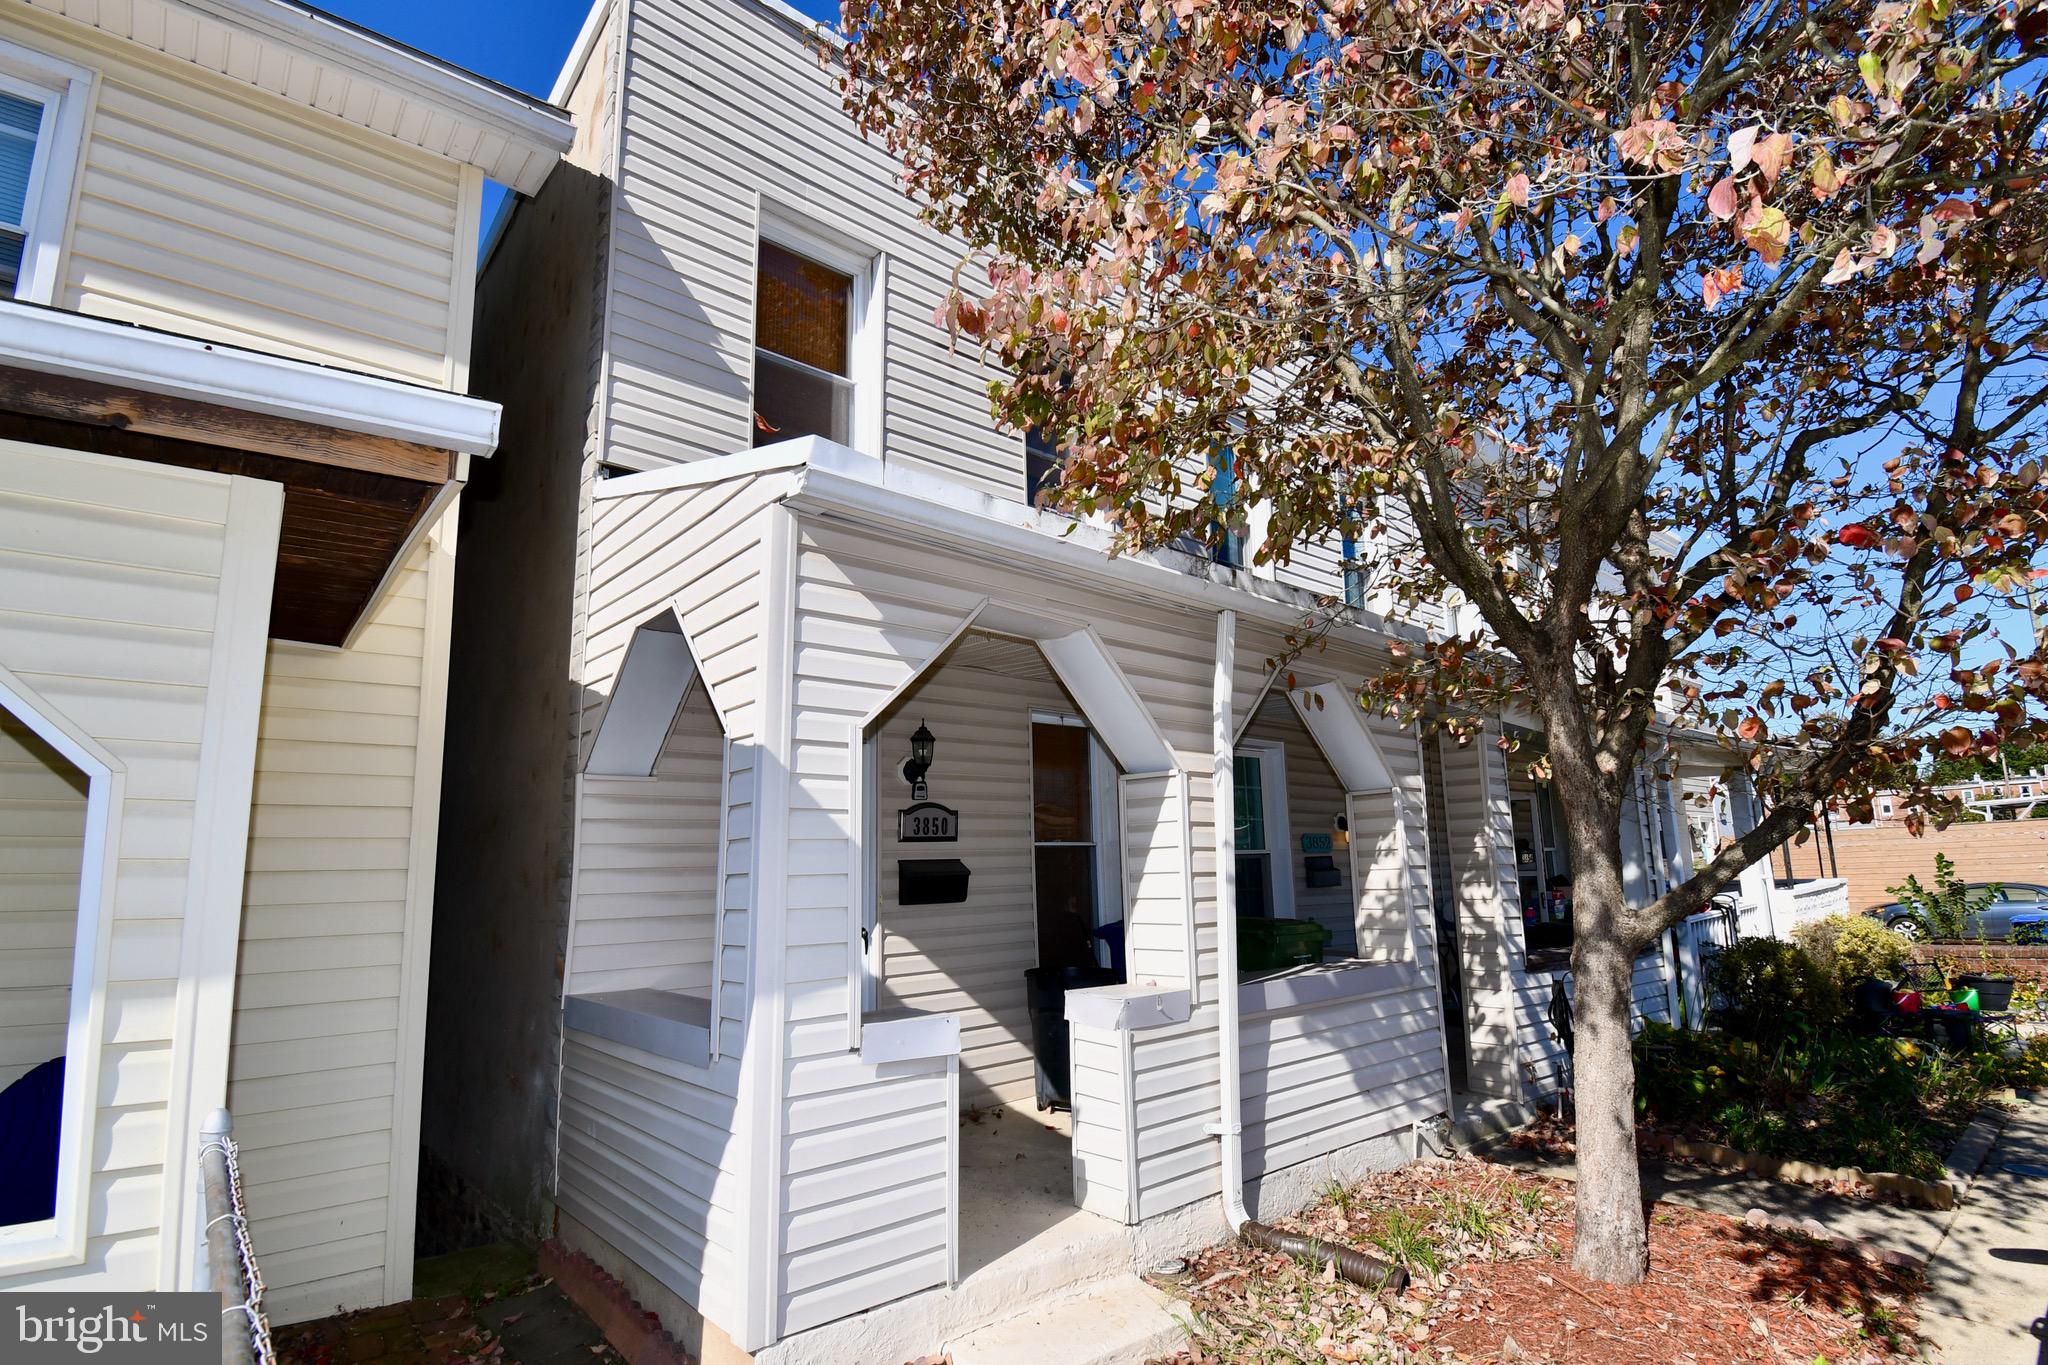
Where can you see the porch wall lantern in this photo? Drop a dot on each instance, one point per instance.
(1340, 829)
(922, 743)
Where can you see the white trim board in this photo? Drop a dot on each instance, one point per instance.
(66, 90)
(60, 1240)
(52, 341)
(217, 870)
(422, 868)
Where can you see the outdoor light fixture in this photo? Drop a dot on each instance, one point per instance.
(920, 761)
(1341, 828)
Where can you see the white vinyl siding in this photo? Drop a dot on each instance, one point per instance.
(680, 322)
(648, 1162)
(634, 551)
(332, 921)
(206, 209)
(111, 592)
(653, 1154)
(1483, 864)
(647, 866)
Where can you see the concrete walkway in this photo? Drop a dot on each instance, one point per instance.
(1989, 1278)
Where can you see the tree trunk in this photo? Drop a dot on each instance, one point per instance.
(1611, 1242)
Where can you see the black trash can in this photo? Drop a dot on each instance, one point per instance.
(1994, 993)
(1045, 994)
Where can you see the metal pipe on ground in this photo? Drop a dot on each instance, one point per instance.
(1354, 1265)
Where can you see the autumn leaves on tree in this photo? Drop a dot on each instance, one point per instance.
(1699, 348)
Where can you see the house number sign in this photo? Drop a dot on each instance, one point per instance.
(927, 822)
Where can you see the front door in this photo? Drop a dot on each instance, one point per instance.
(1063, 839)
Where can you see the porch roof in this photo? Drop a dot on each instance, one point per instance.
(834, 482)
(365, 461)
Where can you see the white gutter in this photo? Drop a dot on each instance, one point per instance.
(1229, 1125)
(53, 341)
(835, 479)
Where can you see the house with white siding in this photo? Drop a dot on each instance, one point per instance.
(877, 899)
(237, 256)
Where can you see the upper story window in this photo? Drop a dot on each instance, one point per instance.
(42, 122)
(1042, 457)
(1227, 535)
(803, 343)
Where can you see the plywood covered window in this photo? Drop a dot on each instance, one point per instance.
(803, 344)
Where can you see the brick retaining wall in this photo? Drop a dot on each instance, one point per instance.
(1876, 858)
(2020, 962)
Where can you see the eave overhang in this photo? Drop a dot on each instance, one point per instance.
(365, 461)
(320, 61)
(836, 482)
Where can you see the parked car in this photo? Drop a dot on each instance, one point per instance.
(2015, 903)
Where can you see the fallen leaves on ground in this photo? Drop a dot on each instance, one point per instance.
(1488, 1250)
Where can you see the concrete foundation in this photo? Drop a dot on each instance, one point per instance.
(1025, 1250)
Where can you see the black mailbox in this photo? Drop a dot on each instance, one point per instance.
(1321, 869)
(930, 881)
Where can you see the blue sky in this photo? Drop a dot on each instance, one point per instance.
(520, 42)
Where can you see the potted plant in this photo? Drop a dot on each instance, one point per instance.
(1949, 911)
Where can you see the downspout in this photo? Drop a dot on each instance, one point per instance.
(1354, 1265)
(1229, 1117)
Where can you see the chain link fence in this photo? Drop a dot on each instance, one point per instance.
(231, 1259)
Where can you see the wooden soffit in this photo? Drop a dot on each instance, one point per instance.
(351, 500)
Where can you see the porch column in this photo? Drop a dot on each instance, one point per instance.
(1483, 877)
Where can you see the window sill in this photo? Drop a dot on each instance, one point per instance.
(665, 1023)
(1127, 1007)
(42, 1245)
(1548, 960)
(1320, 982)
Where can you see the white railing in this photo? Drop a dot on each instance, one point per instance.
(230, 1258)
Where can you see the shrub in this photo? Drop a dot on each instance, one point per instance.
(1851, 947)
(1767, 987)
(1951, 909)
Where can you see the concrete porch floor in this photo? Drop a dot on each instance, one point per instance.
(1017, 1211)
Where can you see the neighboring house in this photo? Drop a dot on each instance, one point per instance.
(717, 981)
(2004, 796)
(237, 246)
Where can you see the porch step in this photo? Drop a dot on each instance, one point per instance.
(1482, 1122)
(1118, 1321)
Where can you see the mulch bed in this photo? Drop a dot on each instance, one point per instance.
(1502, 1288)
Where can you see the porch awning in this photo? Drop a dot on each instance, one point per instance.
(365, 461)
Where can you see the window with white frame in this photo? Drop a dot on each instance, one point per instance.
(42, 120)
(59, 799)
(817, 337)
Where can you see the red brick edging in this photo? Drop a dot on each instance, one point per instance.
(633, 1332)
(2021, 961)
